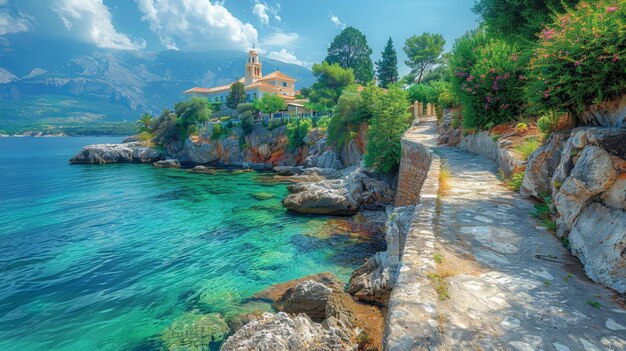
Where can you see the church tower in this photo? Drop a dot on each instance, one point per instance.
(253, 67)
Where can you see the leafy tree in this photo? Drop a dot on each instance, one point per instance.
(144, 122)
(190, 114)
(387, 67)
(331, 81)
(423, 52)
(390, 121)
(344, 120)
(349, 49)
(236, 95)
(369, 97)
(269, 104)
(518, 19)
(246, 114)
(297, 131)
(439, 73)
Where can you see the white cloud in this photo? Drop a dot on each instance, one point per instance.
(13, 21)
(196, 25)
(91, 20)
(263, 11)
(281, 39)
(288, 57)
(337, 21)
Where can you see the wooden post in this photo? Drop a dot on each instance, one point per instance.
(416, 115)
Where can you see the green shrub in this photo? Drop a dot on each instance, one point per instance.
(390, 121)
(488, 79)
(145, 137)
(345, 119)
(322, 122)
(548, 123)
(297, 131)
(580, 58)
(219, 131)
(515, 181)
(190, 114)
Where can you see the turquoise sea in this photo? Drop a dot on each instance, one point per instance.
(106, 257)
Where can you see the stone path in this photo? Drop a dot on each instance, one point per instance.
(511, 284)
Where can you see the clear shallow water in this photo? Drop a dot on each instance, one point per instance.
(106, 257)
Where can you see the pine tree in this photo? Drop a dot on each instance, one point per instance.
(349, 49)
(387, 67)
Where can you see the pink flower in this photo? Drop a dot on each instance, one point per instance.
(577, 63)
(546, 93)
(615, 57)
(611, 9)
(514, 57)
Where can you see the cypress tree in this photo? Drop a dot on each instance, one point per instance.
(387, 67)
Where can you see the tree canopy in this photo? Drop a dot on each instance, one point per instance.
(518, 19)
(349, 49)
(236, 95)
(387, 67)
(423, 52)
(332, 79)
(270, 104)
(191, 113)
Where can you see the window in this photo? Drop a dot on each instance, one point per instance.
(285, 84)
(254, 94)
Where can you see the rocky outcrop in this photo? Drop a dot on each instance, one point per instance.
(117, 153)
(541, 165)
(340, 196)
(202, 170)
(611, 114)
(280, 332)
(308, 297)
(586, 176)
(373, 281)
(169, 163)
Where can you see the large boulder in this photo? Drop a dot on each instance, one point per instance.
(339, 196)
(373, 281)
(598, 239)
(280, 332)
(541, 166)
(309, 297)
(611, 114)
(117, 153)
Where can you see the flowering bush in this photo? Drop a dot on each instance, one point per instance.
(581, 58)
(488, 79)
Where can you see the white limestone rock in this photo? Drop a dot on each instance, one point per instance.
(116, 153)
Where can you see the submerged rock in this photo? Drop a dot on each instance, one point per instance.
(116, 153)
(262, 196)
(194, 331)
(280, 332)
(202, 170)
(339, 196)
(167, 164)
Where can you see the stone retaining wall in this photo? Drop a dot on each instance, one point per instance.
(411, 322)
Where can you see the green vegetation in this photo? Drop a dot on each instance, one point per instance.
(269, 104)
(349, 49)
(390, 121)
(246, 113)
(514, 182)
(438, 257)
(236, 95)
(488, 79)
(387, 67)
(423, 52)
(545, 212)
(332, 79)
(433, 92)
(527, 147)
(594, 304)
(548, 123)
(144, 122)
(440, 284)
(322, 123)
(190, 114)
(296, 132)
(518, 20)
(580, 59)
(219, 132)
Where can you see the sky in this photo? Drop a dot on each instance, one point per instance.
(294, 31)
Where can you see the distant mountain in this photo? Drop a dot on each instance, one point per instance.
(46, 81)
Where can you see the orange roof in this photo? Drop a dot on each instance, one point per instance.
(277, 74)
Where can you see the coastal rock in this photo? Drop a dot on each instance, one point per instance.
(373, 281)
(170, 163)
(541, 166)
(116, 153)
(598, 239)
(280, 332)
(202, 170)
(339, 196)
(288, 170)
(309, 297)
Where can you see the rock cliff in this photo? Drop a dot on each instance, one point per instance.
(117, 153)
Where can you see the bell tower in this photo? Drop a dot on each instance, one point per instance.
(253, 67)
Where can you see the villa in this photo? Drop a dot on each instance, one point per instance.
(255, 84)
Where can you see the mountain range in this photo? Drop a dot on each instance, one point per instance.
(51, 82)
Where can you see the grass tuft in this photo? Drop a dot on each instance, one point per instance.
(528, 146)
(440, 283)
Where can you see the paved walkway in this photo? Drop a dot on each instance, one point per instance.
(511, 284)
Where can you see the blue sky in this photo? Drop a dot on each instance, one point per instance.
(295, 31)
